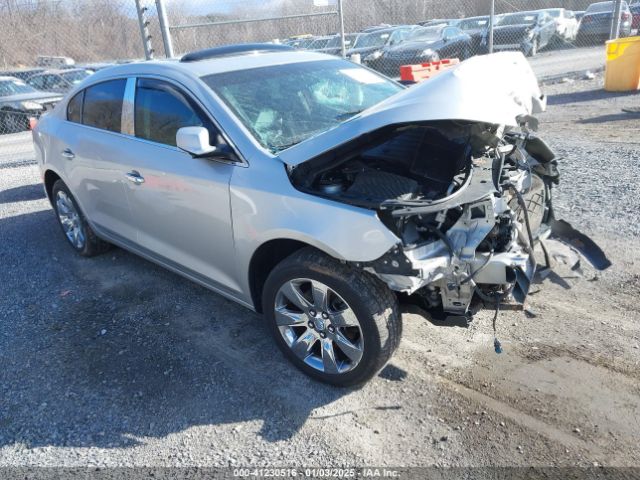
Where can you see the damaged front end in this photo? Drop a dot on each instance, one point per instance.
(469, 200)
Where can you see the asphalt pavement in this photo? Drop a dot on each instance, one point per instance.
(567, 62)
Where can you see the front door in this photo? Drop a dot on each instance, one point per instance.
(179, 204)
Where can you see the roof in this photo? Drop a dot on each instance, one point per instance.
(214, 65)
(6, 77)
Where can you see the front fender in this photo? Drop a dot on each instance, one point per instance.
(265, 206)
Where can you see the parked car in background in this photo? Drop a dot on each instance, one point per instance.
(566, 23)
(23, 73)
(635, 15)
(527, 32)
(439, 21)
(370, 45)
(19, 102)
(334, 46)
(424, 44)
(60, 81)
(53, 61)
(595, 26)
(476, 28)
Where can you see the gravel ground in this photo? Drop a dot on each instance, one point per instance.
(113, 361)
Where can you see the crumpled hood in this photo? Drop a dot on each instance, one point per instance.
(494, 89)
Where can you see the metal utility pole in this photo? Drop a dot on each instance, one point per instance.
(615, 21)
(491, 15)
(343, 50)
(144, 30)
(164, 28)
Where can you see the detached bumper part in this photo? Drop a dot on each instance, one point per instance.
(564, 232)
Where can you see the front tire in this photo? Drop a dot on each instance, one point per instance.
(334, 322)
(74, 225)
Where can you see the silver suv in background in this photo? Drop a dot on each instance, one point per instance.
(311, 189)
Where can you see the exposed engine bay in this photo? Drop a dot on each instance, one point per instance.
(468, 200)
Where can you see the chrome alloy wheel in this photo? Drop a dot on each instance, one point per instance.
(319, 326)
(70, 220)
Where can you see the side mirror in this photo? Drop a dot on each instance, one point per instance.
(194, 140)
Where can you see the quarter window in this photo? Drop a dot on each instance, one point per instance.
(74, 108)
(103, 105)
(161, 109)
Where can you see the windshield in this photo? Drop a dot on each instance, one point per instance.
(426, 34)
(600, 7)
(14, 87)
(76, 76)
(375, 39)
(474, 23)
(519, 19)
(285, 104)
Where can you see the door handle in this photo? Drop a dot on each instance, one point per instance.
(68, 154)
(135, 177)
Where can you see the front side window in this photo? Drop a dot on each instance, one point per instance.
(161, 109)
(103, 105)
(282, 105)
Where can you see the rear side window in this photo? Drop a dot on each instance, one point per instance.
(161, 109)
(74, 108)
(103, 105)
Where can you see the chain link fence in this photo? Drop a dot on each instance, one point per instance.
(48, 45)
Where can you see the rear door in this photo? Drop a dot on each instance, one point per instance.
(90, 144)
(180, 204)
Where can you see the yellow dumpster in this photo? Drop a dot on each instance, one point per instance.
(623, 65)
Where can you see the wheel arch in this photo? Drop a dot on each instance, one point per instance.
(264, 260)
(50, 177)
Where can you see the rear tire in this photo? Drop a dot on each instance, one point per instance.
(74, 224)
(314, 304)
